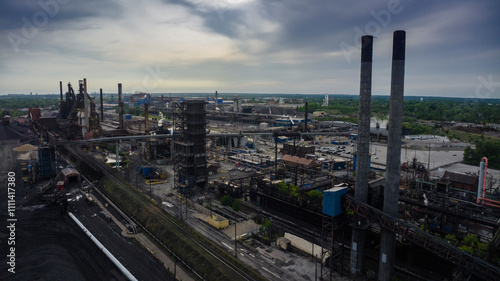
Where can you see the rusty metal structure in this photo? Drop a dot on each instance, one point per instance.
(78, 117)
(467, 263)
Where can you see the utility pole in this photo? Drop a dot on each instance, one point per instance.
(235, 248)
(315, 259)
(181, 207)
(429, 160)
(117, 157)
(186, 201)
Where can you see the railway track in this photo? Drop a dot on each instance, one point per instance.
(85, 160)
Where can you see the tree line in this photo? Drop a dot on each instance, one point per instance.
(437, 109)
(489, 149)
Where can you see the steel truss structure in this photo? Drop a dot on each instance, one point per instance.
(464, 261)
(190, 156)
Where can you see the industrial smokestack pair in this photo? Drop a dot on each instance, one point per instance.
(391, 192)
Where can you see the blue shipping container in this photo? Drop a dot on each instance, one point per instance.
(332, 205)
(146, 171)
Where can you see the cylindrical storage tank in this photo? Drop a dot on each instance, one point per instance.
(127, 116)
(263, 125)
(146, 171)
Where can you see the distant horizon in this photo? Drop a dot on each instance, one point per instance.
(202, 94)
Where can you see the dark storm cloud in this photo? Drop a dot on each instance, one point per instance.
(304, 24)
(58, 13)
(264, 45)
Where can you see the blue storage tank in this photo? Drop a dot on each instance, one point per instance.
(332, 205)
(146, 171)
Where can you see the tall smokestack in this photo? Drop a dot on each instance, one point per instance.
(102, 107)
(146, 129)
(362, 156)
(86, 105)
(305, 121)
(391, 191)
(60, 89)
(120, 105)
(146, 118)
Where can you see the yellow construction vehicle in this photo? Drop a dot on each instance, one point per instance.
(155, 181)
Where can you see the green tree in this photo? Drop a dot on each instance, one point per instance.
(236, 205)
(470, 156)
(471, 239)
(266, 225)
(489, 149)
(225, 200)
(314, 196)
(451, 238)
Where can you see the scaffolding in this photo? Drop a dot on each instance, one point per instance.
(333, 253)
(190, 157)
(46, 162)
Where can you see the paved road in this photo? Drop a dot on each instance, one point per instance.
(139, 261)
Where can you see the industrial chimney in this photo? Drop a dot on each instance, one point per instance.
(391, 191)
(120, 105)
(86, 107)
(361, 188)
(102, 106)
(60, 89)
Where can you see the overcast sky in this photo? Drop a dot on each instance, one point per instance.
(248, 46)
